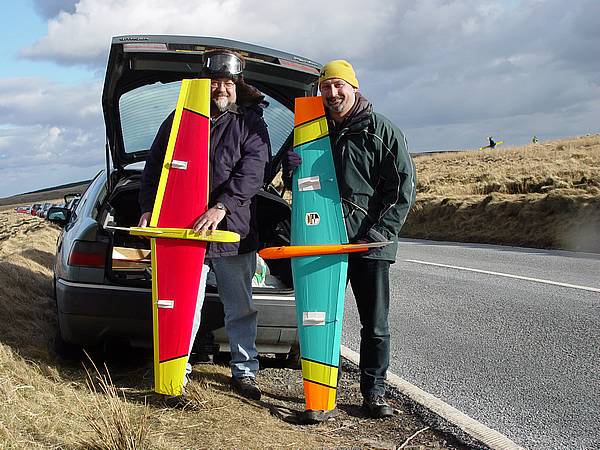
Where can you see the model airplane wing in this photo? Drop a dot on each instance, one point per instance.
(294, 251)
(181, 233)
(489, 146)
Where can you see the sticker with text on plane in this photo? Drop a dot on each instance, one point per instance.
(309, 184)
(313, 318)
(312, 219)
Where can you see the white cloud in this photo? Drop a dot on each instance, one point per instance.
(35, 157)
(311, 28)
(52, 134)
(35, 101)
(37, 146)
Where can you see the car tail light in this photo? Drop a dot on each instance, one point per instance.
(88, 254)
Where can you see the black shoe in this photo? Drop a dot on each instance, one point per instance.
(175, 401)
(246, 387)
(377, 407)
(311, 416)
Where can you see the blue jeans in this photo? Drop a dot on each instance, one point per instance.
(234, 284)
(369, 279)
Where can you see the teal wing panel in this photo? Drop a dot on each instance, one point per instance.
(319, 281)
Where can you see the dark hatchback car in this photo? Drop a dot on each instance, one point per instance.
(101, 298)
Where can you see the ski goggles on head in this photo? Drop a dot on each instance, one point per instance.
(222, 62)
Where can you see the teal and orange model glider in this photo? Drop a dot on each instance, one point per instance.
(319, 281)
(177, 253)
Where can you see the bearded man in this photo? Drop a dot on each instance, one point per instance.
(239, 151)
(376, 179)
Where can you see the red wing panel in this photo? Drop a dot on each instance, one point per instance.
(179, 264)
(186, 192)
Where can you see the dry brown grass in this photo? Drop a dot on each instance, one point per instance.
(543, 195)
(109, 415)
(569, 164)
(539, 195)
(49, 404)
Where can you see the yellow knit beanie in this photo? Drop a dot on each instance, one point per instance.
(338, 68)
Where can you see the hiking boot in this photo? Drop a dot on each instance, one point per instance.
(311, 416)
(175, 401)
(377, 407)
(246, 387)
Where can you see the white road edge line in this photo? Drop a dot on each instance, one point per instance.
(491, 438)
(500, 274)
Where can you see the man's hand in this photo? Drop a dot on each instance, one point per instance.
(145, 219)
(290, 162)
(209, 220)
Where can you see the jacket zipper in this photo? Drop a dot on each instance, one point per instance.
(337, 140)
(342, 133)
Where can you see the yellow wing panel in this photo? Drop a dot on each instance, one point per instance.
(310, 131)
(186, 233)
(196, 101)
(319, 373)
(154, 308)
(168, 379)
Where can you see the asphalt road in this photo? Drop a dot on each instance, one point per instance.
(520, 355)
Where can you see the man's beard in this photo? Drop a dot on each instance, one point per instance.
(334, 105)
(222, 103)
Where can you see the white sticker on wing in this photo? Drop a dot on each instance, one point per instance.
(309, 184)
(313, 318)
(169, 304)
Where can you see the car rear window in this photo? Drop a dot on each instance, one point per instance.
(144, 109)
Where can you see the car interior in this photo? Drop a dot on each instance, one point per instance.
(122, 210)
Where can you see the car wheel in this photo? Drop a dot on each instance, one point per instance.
(65, 350)
(293, 358)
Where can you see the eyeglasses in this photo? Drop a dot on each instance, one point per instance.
(228, 84)
(327, 85)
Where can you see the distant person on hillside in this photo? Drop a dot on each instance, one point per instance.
(492, 143)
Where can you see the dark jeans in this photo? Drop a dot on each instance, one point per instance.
(369, 279)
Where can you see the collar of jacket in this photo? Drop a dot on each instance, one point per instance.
(234, 109)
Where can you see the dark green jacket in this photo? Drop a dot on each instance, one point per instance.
(376, 177)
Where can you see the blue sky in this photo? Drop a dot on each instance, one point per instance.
(447, 72)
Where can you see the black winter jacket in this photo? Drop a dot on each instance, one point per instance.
(239, 151)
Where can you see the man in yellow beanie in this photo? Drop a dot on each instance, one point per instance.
(376, 179)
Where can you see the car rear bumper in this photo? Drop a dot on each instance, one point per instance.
(91, 313)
